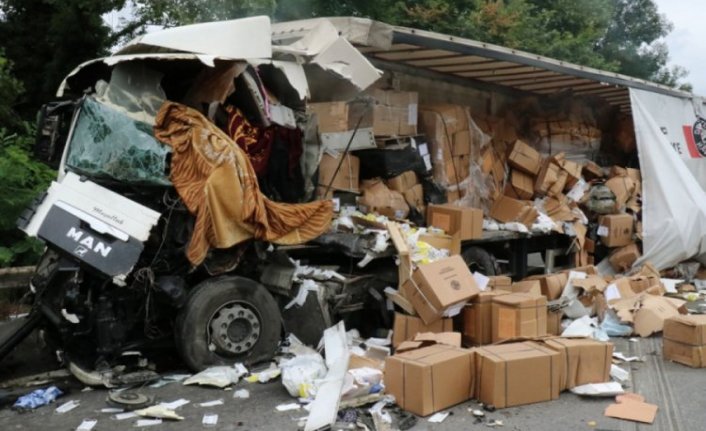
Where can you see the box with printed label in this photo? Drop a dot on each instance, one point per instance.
(515, 374)
(429, 379)
(615, 230)
(518, 315)
(403, 182)
(440, 289)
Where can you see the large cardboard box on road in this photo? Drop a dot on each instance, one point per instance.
(477, 319)
(440, 289)
(615, 230)
(585, 360)
(430, 379)
(515, 374)
(518, 315)
(407, 327)
(466, 223)
(684, 340)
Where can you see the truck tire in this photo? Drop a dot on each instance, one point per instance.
(228, 320)
(480, 260)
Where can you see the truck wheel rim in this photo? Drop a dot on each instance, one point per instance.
(234, 328)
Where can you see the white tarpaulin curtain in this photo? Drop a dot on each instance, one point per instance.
(671, 142)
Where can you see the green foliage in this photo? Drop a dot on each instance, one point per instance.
(23, 179)
(46, 39)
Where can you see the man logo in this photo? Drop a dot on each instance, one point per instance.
(80, 251)
(455, 285)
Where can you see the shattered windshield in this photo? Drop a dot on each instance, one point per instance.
(108, 144)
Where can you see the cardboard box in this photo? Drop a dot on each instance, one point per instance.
(524, 158)
(465, 222)
(554, 322)
(548, 175)
(515, 374)
(441, 241)
(440, 289)
(347, 177)
(585, 360)
(457, 169)
(533, 287)
(395, 113)
(340, 116)
(415, 196)
(403, 182)
(591, 171)
(518, 315)
(506, 209)
(623, 188)
(521, 185)
(615, 230)
(462, 143)
(693, 356)
(426, 380)
(684, 340)
(405, 328)
(452, 195)
(552, 285)
(499, 282)
(378, 198)
(477, 319)
(623, 258)
(558, 187)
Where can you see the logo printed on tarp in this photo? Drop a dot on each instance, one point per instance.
(696, 137)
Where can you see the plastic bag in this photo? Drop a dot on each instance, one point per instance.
(300, 373)
(37, 398)
(612, 326)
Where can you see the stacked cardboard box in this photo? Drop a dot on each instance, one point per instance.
(410, 188)
(684, 340)
(376, 197)
(518, 315)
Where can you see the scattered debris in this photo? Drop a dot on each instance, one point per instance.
(210, 420)
(126, 415)
(287, 407)
(218, 402)
(167, 379)
(622, 357)
(37, 398)
(220, 376)
(67, 406)
(159, 412)
(87, 425)
(632, 407)
(147, 422)
(129, 400)
(173, 405)
(241, 393)
(438, 417)
(609, 389)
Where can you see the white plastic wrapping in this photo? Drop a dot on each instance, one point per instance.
(673, 178)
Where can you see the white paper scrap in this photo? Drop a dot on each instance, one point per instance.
(619, 374)
(619, 355)
(287, 407)
(147, 422)
(112, 410)
(610, 389)
(87, 425)
(126, 415)
(481, 281)
(212, 403)
(241, 393)
(175, 404)
(67, 406)
(438, 418)
(210, 419)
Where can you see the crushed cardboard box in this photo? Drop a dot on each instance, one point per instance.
(405, 327)
(586, 360)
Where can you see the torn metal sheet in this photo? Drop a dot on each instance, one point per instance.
(359, 31)
(237, 39)
(325, 407)
(292, 71)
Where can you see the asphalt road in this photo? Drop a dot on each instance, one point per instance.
(677, 390)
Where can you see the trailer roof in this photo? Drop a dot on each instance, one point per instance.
(474, 63)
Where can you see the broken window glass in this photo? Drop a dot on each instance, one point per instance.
(107, 144)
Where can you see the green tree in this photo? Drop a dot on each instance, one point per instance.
(46, 39)
(23, 178)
